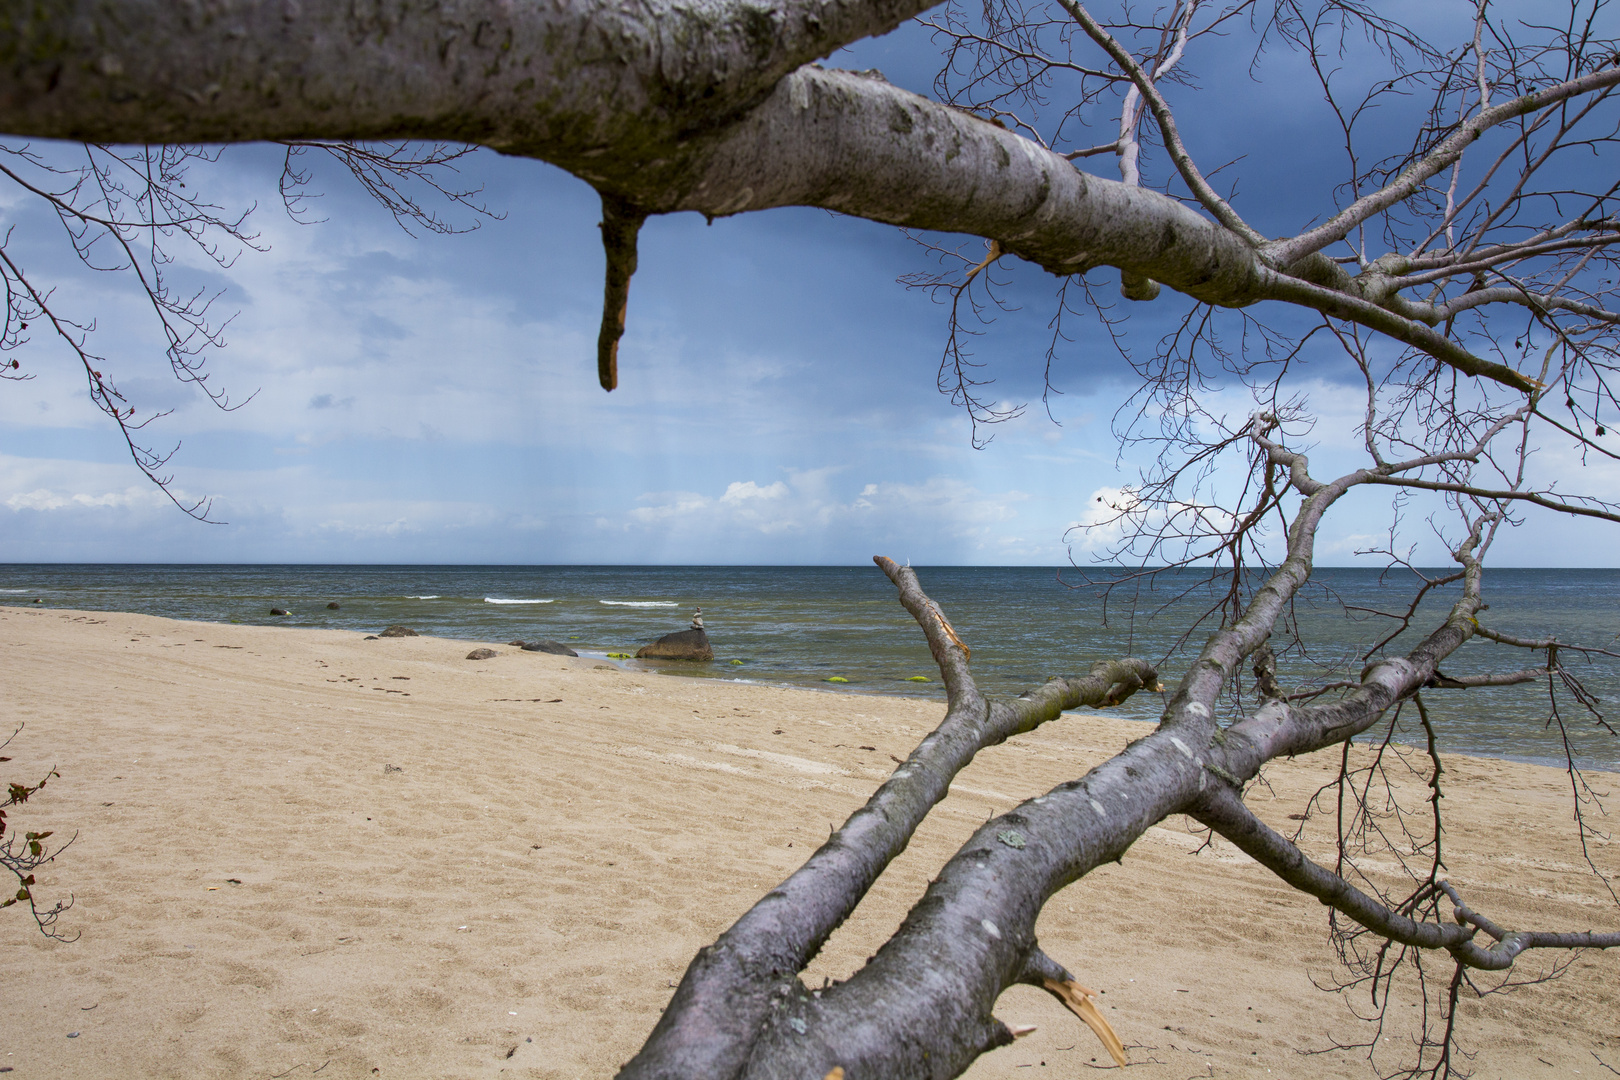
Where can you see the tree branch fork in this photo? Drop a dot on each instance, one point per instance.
(924, 1003)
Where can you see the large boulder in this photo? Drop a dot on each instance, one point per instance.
(556, 648)
(685, 645)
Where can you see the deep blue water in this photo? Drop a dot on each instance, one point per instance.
(802, 625)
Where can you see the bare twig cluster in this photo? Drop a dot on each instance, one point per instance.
(139, 214)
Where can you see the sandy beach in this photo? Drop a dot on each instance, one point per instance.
(302, 853)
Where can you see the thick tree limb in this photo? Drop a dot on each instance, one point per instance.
(573, 78)
(665, 106)
(1510, 943)
(1416, 333)
(1498, 495)
(746, 978)
(1538, 643)
(1223, 811)
(1279, 728)
(1468, 682)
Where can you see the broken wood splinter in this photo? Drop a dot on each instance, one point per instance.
(950, 631)
(1078, 1000)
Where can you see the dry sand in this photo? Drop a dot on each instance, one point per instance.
(301, 853)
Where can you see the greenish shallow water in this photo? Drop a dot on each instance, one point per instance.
(803, 625)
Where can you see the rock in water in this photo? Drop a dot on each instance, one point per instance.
(278, 611)
(685, 645)
(398, 631)
(334, 606)
(482, 654)
(556, 648)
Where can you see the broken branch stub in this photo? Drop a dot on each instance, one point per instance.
(621, 225)
(1077, 999)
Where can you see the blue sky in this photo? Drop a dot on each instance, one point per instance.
(435, 399)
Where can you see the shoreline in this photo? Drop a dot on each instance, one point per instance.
(905, 690)
(556, 837)
(799, 626)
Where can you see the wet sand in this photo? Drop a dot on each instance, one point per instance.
(301, 853)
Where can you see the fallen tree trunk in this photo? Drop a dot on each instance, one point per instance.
(923, 1006)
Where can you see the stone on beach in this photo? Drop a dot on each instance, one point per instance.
(482, 654)
(682, 645)
(398, 631)
(556, 648)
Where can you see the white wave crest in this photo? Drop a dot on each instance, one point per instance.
(16, 590)
(639, 603)
(499, 600)
(434, 596)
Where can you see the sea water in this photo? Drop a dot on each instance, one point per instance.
(803, 626)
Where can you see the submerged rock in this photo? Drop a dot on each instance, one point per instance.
(398, 631)
(683, 645)
(334, 606)
(556, 648)
(278, 611)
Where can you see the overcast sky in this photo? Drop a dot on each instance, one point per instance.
(435, 399)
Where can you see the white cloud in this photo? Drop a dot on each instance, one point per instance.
(740, 492)
(945, 500)
(676, 505)
(808, 503)
(47, 499)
